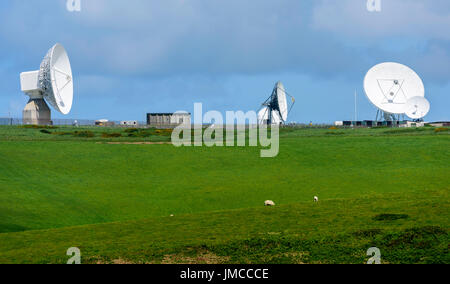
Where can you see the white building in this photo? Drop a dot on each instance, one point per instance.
(168, 119)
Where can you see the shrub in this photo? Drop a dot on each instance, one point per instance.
(45, 131)
(33, 126)
(62, 133)
(140, 134)
(131, 130)
(111, 135)
(441, 129)
(85, 134)
(334, 133)
(164, 131)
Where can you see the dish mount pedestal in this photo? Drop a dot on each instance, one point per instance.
(36, 112)
(385, 116)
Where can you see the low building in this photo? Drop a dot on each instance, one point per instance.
(133, 123)
(440, 124)
(168, 120)
(104, 122)
(409, 124)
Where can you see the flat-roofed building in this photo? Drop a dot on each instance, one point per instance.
(440, 124)
(168, 119)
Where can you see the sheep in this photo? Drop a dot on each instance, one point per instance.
(316, 199)
(269, 203)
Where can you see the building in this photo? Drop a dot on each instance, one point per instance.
(370, 123)
(440, 124)
(129, 123)
(170, 120)
(409, 124)
(104, 122)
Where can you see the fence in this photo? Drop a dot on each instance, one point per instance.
(59, 122)
(88, 122)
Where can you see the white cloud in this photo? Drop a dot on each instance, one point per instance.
(403, 18)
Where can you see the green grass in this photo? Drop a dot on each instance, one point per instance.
(377, 187)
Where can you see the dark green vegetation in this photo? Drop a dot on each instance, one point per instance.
(377, 187)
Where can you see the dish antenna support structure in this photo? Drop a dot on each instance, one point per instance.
(276, 109)
(53, 83)
(392, 88)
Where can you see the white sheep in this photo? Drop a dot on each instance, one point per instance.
(269, 203)
(316, 199)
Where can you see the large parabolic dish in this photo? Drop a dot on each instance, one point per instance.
(390, 85)
(52, 83)
(55, 79)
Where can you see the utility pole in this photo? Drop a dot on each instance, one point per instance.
(356, 106)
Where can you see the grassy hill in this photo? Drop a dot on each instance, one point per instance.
(59, 189)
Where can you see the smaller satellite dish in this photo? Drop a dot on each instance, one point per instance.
(282, 101)
(276, 119)
(417, 107)
(275, 109)
(263, 115)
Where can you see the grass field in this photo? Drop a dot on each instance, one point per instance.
(387, 188)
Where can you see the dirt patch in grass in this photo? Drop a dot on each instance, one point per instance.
(203, 257)
(121, 261)
(115, 261)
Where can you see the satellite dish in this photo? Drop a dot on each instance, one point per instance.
(275, 109)
(53, 82)
(417, 107)
(55, 79)
(263, 115)
(276, 119)
(282, 101)
(390, 85)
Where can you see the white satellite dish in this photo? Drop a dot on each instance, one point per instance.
(275, 108)
(282, 101)
(390, 85)
(263, 115)
(53, 82)
(417, 107)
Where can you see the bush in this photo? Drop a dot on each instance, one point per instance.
(45, 131)
(140, 134)
(85, 134)
(335, 133)
(111, 135)
(131, 130)
(441, 129)
(164, 132)
(32, 126)
(62, 133)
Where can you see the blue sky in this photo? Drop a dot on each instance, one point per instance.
(130, 57)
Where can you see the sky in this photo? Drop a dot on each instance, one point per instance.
(131, 57)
